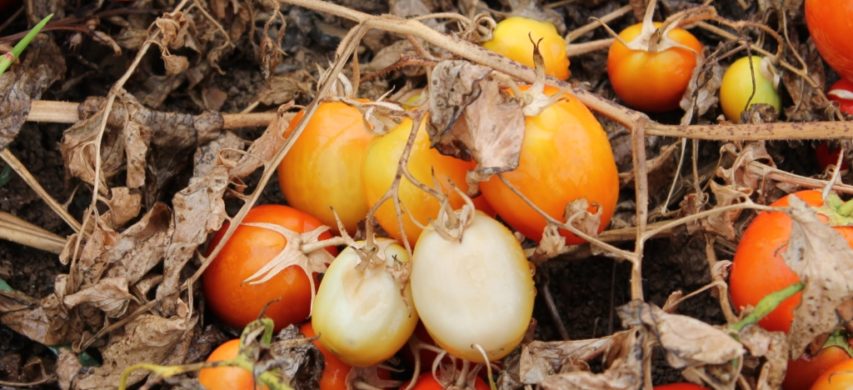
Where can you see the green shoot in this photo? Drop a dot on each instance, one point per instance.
(6, 60)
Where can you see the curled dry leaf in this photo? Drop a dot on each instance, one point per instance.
(43, 64)
(175, 64)
(67, 368)
(124, 205)
(823, 260)
(687, 341)
(773, 347)
(283, 88)
(44, 321)
(264, 148)
(624, 372)
(541, 359)
(109, 295)
(702, 92)
(807, 100)
(472, 119)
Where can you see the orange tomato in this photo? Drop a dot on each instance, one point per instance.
(652, 81)
(335, 371)
(828, 22)
(758, 268)
(323, 169)
(511, 40)
(287, 294)
(837, 377)
(227, 378)
(427, 382)
(565, 156)
(379, 170)
(803, 372)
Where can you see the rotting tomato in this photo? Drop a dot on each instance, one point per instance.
(841, 93)
(653, 76)
(837, 377)
(565, 156)
(736, 91)
(335, 371)
(227, 378)
(803, 372)
(427, 381)
(828, 22)
(425, 163)
(474, 295)
(322, 171)
(680, 386)
(759, 269)
(286, 296)
(510, 39)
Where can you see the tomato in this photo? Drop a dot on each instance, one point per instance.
(680, 386)
(323, 169)
(362, 313)
(737, 88)
(828, 22)
(477, 291)
(565, 156)
(380, 167)
(827, 156)
(837, 377)
(227, 378)
(842, 93)
(427, 381)
(334, 370)
(288, 293)
(758, 267)
(511, 40)
(652, 80)
(803, 372)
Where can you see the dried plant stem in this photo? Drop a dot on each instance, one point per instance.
(756, 132)
(717, 280)
(577, 49)
(591, 26)
(641, 189)
(779, 175)
(22, 232)
(31, 181)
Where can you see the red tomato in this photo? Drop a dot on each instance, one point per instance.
(827, 156)
(288, 293)
(837, 377)
(652, 81)
(828, 22)
(803, 372)
(842, 93)
(323, 169)
(758, 268)
(334, 370)
(427, 382)
(565, 156)
(227, 378)
(680, 386)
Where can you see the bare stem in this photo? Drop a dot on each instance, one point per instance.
(31, 181)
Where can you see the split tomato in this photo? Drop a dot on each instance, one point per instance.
(227, 378)
(758, 268)
(837, 377)
(653, 76)
(511, 39)
(286, 296)
(565, 156)
(828, 22)
(321, 174)
(841, 93)
(737, 92)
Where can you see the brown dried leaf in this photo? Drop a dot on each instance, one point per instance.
(264, 147)
(624, 373)
(124, 206)
(824, 262)
(175, 64)
(109, 295)
(541, 359)
(702, 90)
(472, 119)
(687, 341)
(280, 89)
(773, 347)
(67, 368)
(43, 321)
(43, 65)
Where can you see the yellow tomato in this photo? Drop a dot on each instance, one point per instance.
(511, 40)
(737, 88)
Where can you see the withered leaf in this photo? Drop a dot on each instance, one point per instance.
(472, 119)
(823, 260)
(283, 88)
(263, 148)
(540, 359)
(43, 321)
(67, 368)
(624, 372)
(124, 205)
(175, 64)
(773, 347)
(110, 295)
(687, 341)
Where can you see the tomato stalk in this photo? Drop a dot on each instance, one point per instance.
(767, 305)
(840, 212)
(839, 340)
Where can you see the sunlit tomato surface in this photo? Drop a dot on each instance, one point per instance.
(803, 372)
(737, 88)
(475, 292)
(680, 386)
(829, 24)
(288, 293)
(323, 169)
(227, 378)
(759, 269)
(334, 370)
(565, 156)
(837, 377)
(380, 166)
(427, 381)
(652, 81)
(511, 39)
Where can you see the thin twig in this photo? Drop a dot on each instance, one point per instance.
(576, 49)
(591, 26)
(22, 232)
(31, 181)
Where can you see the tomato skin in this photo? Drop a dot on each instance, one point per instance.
(828, 22)
(842, 93)
(680, 386)
(827, 156)
(511, 40)
(227, 378)
(379, 170)
(803, 372)
(249, 248)
(758, 267)
(565, 156)
(323, 169)
(837, 377)
(652, 82)
(334, 370)
(427, 382)
(737, 88)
